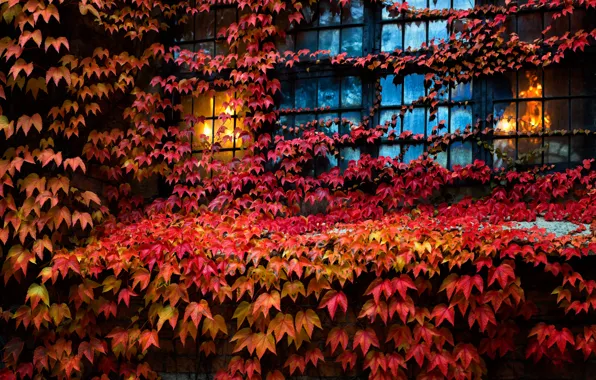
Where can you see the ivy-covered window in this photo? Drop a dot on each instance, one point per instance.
(400, 32)
(328, 26)
(201, 31)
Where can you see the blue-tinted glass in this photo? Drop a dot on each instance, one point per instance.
(329, 13)
(441, 159)
(303, 119)
(413, 87)
(463, 4)
(414, 121)
(461, 92)
(391, 36)
(351, 92)
(353, 13)
(284, 120)
(442, 114)
(332, 160)
(328, 92)
(349, 154)
(413, 152)
(461, 153)
(415, 34)
(386, 117)
(351, 41)
(329, 40)
(438, 30)
(392, 151)
(310, 16)
(355, 118)
(418, 4)
(439, 4)
(306, 40)
(390, 93)
(333, 128)
(460, 118)
(306, 91)
(287, 95)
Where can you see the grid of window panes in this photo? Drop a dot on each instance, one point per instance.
(455, 110)
(537, 101)
(397, 32)
(201, 30)
(221, 124)
(334, 97)
(328, 26)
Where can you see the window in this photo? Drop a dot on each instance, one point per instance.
(399, 32)
(455, 110)
(529, 103)
(328, 26)
(201, 31)
(218, 124)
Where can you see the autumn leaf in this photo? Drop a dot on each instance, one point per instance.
(332, 300)
(265, 302)
(337, 337)
(307, 320)
(502, 274)
(281, 325)
(37, 293)
(365, 339)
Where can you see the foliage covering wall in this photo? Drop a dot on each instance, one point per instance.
(394, 279)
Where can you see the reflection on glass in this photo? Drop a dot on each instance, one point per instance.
(557, 149)
(351, 41)
(287, 95)
(461, 92)
(528, 147)
(463, 4)
(354, 13)
(505, 114)
(387, 117)
(504, 150)
(438, 30)
(460, 153)
(328, 92)
(461, 117)
(204, 25)
(306, 91)
(441, 115)
(306, 40)
(391, 37)
(351, 92)
(412, 152)
(439, 4)
(413, 87)
(414, 121)
(391, 151)
(329, 13)
(415, 34)
(349, 154)
(557, 112)
(329, 40)
(390, 92)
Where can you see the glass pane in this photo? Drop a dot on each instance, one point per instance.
(328, 92)
(557, 149)
(391, 37)
(329, 40)
(530, 84)
(558, 27)
(505, 117)
(441, 159)
(310, 16)
(355, 118)
(582, 147)
(440, 4)
(331, 129)
(460, 118)
(414, 121)
(205, 25)
(306, 40)
(390, 92)
(222, 104)
(413, 152)
(354, 13)
(224, 133)
(529, 26)
(387, 117)
(556, 82)
(225, 17)
(583, 77)
(302, 119)
(418, 4)
(285, 44)
(441, 115)
(351, 92)
(504, 86)
(413, 88)
(347, 155)
(415, 34)
(187, 30)
(205, 129)
(463, 4)
(329, 13)
(287, 95)
(391, 151)
(530, 117)
(351, 41)
(461, 92)
(186, 102)
(460, 153)
(305, 93)
(206, 47)
(528, 148)
(203, 106)
(222, 48)
(583, 114)
(438, 30)
(504, 151)
(556, 115)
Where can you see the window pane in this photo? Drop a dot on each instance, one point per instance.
(287, 95)
(221, 48)
(461, 92)
(460, 153)
(329, 13)
(206, 47)
(328, 92)
(354, 13)
(310, 16)
(505, 117)
(413, 87)
(583, 114)
(415, 34)
(204, 25)
(530, 117)
(351, 41)
(187, 30)
(351, 92)
(438, 30)
(413, 152)
(440, 4)
(352, 117)
(558, 26)
(504, 150)
(418, 4)
(390, 92)
(331, 129)
(529, 26)
(306, 91)
(460, 118)
(329, 40)
(463, 4)
(441, 159)
(392, 151)
(186, 102)
(205, 129)
(414, 121)
(391, 37)
(527, 147)
(582, 147)
(504, 86)
(556, 81)
(530, 84)
(203, 106)
(387, 117)
(557, 150)
(442, 114)
(306, 40)
(302, 119)
(225, 17)
(347, 155)
(556, 115)
(583, 78)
